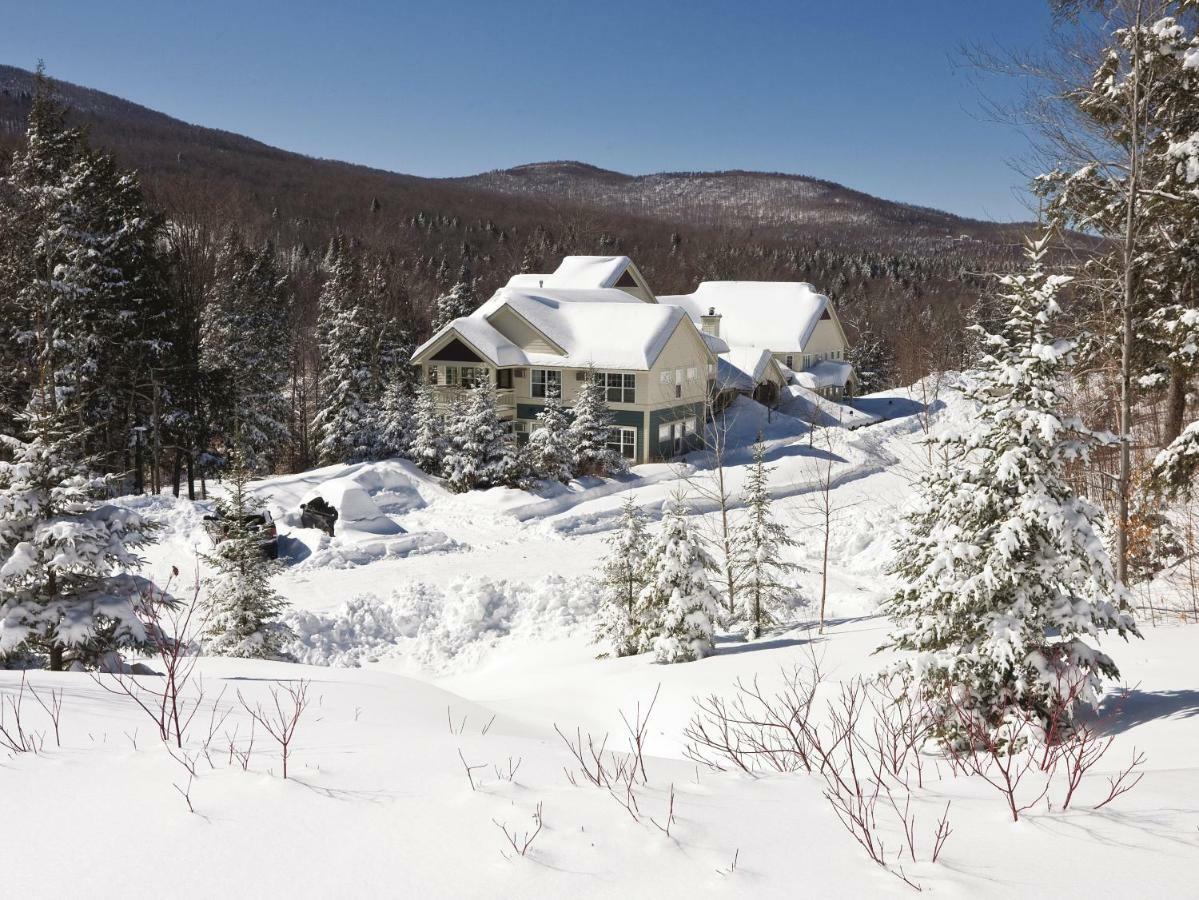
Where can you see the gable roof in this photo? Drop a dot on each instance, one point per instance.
(777, 314)
(585, 272)
(603, 327)
(744, 367)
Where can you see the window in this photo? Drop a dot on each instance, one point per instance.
(678, 390)
(620, 388)
(692, 373)
(546, 383)
(451, 375)
(790, 361)
(689, 425)
(711, 370)
(668, 377)
(663, 434)
(623, 441)
(473, 376)
(432, 375)
(503, 379)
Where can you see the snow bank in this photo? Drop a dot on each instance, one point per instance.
(439, 628)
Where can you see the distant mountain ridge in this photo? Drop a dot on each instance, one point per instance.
(732, 197)
(787, 205)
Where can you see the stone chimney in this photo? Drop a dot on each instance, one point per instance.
(710, 324)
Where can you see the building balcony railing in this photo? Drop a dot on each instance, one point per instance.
(446, 395)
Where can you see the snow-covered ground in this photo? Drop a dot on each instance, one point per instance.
(440, 632)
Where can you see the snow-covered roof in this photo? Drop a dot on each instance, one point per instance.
(526, 279)
(743, 367)
(777, 314)
(605, 328)
(588, 272)
(826, 373)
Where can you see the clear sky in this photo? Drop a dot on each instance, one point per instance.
(870, 94)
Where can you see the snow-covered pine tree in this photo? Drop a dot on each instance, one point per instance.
(621, 583)
(247, 367)
(759, 542)
(590, 430)
(873, 362)
(342, 427)
(242, 608)
(428, 445)
(550, 446)
(67, 557)
(479, 454)
(31, 200)
(678, 605)
(1003, 573)
(457, 302)
(395, 419)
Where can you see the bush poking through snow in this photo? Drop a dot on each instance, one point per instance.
(281, 717)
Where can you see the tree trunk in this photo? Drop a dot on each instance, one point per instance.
(1176, 401)
(56, 657)
(191, 477)
(1127, 323)
(177, 472)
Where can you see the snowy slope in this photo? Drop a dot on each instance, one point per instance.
(461, 636)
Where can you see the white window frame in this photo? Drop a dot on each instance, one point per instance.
(548, 376)
(624, 384)
(623, 431)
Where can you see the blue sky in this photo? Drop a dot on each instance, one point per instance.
(871, 95)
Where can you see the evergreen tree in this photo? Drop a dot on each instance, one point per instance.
(243, 608)
(550, 446)
(479, 454)
(342, 427)
(246, 365)
(678, 605)
(621, 583)
(590, 430)
(873, 362)
(759, 542)
(1003, 573)
(459, 301)
(395, 424)
(67, 557)
(428, 436)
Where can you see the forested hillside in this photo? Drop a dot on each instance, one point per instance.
(903, 272)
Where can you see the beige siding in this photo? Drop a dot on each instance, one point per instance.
(520, 332)
(684, 355)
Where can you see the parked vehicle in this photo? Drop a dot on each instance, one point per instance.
(318, 513)
(261, 525)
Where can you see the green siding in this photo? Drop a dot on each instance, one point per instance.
(629, 418)
(659, 417)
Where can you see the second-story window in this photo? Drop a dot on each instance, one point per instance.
(620, 388)
(473, 376)
(546, 383)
